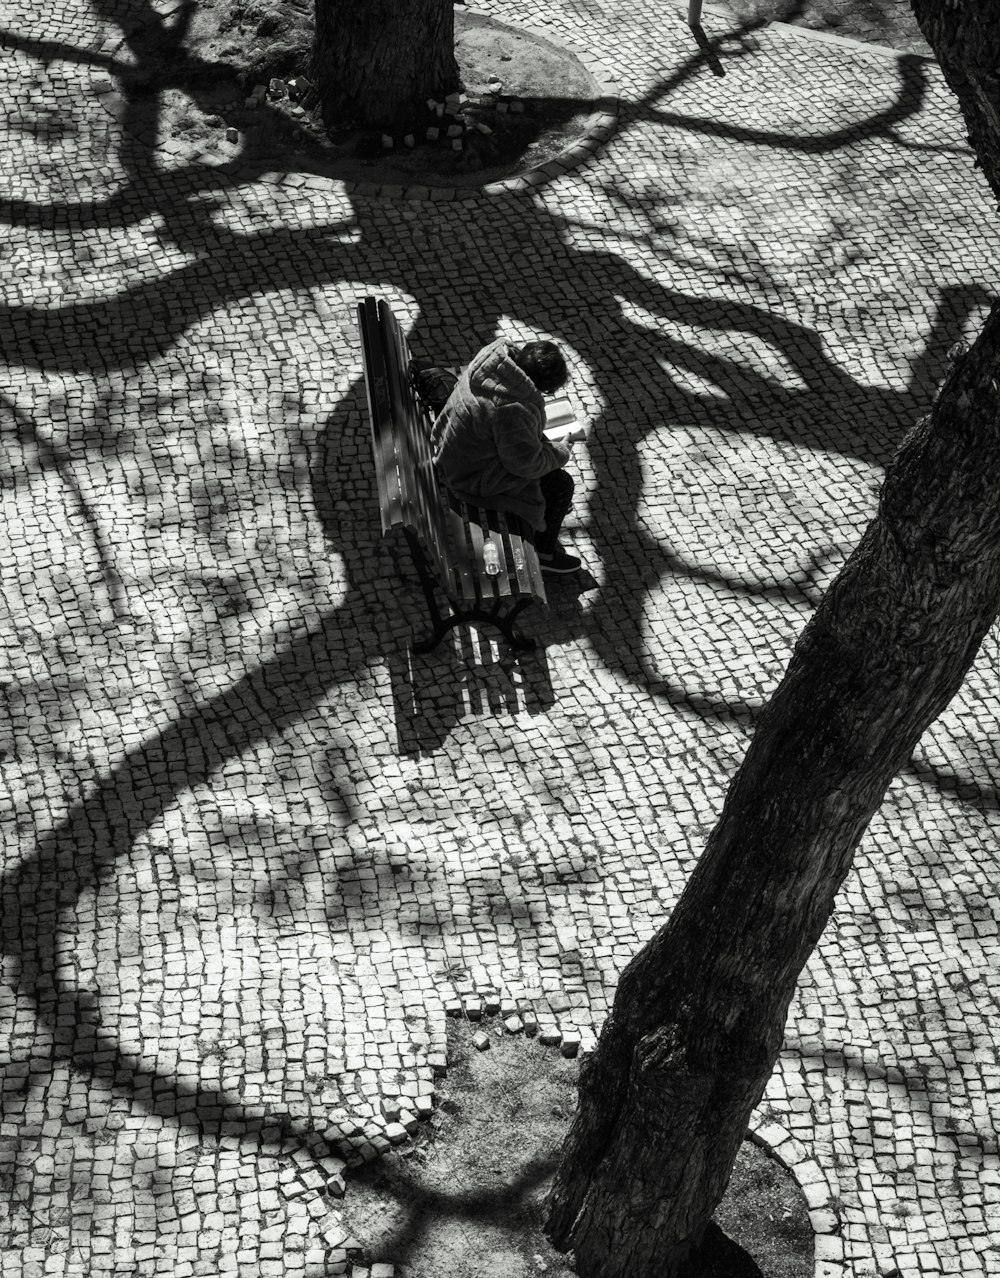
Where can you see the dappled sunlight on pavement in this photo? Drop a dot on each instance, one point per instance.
(254, 852)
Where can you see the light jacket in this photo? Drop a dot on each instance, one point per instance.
(487, 441)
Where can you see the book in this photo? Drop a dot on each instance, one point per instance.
(560, 418)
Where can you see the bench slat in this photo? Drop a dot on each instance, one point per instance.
(504, 584)
(412, 448)
(530, 579)
(403, 483)
(462, 560)
(518, 551)
(407, 454)
(474, 540)
(422, 496)
(380, 414)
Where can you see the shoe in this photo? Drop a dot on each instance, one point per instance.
(559, 561)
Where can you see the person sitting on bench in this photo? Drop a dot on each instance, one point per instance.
(489, 448)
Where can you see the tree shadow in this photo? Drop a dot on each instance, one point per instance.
(911, 96)
(47, 457)
(80, 855)
(162, 61)
(425, 1206)
(707, 48)
(985, 798)
(634, 365)
(422, 1208)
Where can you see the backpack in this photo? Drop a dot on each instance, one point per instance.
(433, 385)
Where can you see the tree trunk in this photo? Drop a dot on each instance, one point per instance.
(966, 42)
(699, 1014)
(376, 62)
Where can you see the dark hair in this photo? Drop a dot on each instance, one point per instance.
(544, 364)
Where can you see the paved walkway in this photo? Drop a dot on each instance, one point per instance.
(252, 852)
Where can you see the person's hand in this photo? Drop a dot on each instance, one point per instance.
(568, 435)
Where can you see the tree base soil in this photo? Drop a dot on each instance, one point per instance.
(468, 1197)
(529, 100)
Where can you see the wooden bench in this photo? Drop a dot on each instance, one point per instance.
(446, 538)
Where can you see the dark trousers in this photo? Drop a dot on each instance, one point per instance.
(557, 489)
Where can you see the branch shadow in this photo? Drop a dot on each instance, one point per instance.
(163, 62)
(80, 854)
(424, 1205)
(155, 315)
(984, 798)
(708, 49)
(717, 1256)
(913, 72)
(971, 1144)
(48, 458)
(627, 358)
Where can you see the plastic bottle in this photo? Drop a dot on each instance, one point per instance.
(491, 557)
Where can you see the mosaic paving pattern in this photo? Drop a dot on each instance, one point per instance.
(253, 852)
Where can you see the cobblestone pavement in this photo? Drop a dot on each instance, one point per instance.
(253, 852)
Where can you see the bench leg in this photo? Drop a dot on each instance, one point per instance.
(441, 628)
(441, 625)
(519, 642)
(505, 624)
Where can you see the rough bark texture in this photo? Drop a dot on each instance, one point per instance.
(965, 37)
(376, 62)
(699, 1014)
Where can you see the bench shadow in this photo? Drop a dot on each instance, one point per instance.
(464, 678)
(471, 674)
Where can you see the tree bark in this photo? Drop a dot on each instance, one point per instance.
(698, 1017)
(965, 37)
(376, 62)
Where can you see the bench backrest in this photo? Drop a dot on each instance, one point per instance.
(408, 489)
(409, 495)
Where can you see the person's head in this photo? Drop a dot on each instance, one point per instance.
(544, 364)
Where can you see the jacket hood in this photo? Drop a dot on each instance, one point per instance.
(493, 373)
